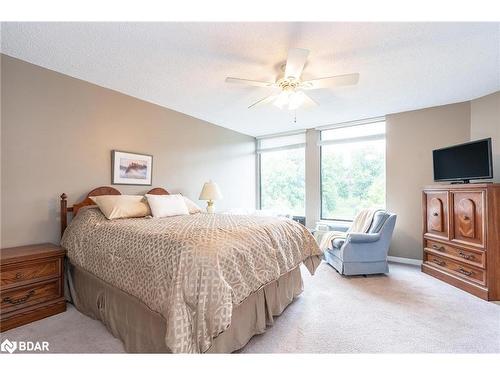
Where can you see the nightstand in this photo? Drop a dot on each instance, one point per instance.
(31, 286)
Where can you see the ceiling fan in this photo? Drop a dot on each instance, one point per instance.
(292, 95)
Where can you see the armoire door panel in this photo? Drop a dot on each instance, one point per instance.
(436, 203)
(468, 217)
(436, 219)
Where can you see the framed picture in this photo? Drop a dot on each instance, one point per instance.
(131, 169)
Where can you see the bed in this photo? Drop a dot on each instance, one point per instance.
(201, 283)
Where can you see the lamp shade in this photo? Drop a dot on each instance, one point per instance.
(210, 192)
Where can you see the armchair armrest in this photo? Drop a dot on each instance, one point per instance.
(363, 237)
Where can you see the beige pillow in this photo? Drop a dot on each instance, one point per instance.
(192, 207)
(167, 205)
(122, 206)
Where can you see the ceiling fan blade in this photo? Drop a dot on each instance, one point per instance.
(295, 62)
(249, 82)
(266, 100)
(335, 81)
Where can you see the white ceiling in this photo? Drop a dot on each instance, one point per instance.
(182, 66)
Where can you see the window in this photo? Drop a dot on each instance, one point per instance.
(352, 170)
(282, 174)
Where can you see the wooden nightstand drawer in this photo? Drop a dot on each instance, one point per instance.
(29, 295)
(18, 274)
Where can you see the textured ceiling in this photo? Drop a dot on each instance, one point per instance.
(182, 66)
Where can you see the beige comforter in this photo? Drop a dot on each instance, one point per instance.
(192, 269)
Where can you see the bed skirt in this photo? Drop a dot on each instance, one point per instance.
(143, 331)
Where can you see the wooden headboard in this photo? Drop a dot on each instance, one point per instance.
(103, 190)
(158, 191)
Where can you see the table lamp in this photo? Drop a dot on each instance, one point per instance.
(210, 193)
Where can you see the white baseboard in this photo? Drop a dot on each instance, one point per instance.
(415, 262)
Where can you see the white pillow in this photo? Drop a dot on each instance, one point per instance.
(167, 205)
(122, 206)
(192, 207)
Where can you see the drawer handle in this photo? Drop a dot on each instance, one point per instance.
(435, 214)
(438, 248)
(465, 272)
(466, 256)
(17, 301)
(439, 262)
(466, 218)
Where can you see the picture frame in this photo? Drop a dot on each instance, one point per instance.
(129, 168)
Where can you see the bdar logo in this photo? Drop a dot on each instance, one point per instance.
(24, 346)
(8, 346)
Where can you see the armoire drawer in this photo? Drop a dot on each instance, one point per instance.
(473, 257)
(462, 270)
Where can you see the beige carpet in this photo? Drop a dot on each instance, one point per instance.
(404, 312)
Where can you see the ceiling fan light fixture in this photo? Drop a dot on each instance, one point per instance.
(295, 100)
(282, 100)
(290, 99)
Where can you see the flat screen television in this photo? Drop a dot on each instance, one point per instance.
(464, 162)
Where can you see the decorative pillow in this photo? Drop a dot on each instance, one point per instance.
(192, 207)
(167, 205)
(122, 206)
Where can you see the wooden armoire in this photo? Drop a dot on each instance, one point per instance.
(462, 236)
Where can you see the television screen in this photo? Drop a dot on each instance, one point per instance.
(465, 162)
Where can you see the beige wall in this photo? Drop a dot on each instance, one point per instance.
(485, 123)
(411, 137)
(58, 133)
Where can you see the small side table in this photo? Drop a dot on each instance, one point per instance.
(31, 284)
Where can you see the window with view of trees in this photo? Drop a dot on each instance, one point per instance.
(282, 174)
(352, 170)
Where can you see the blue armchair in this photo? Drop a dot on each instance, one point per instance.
(364, 253)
